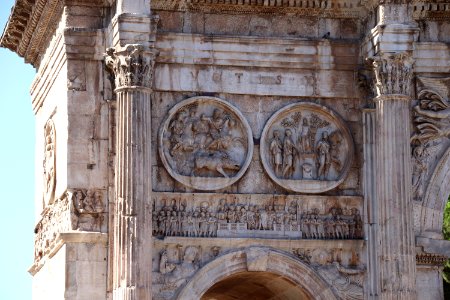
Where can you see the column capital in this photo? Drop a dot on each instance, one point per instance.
(393, 74)
(132, 66)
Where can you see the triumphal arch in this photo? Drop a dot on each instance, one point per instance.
(238, 149)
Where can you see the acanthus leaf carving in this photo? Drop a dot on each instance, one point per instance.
(132, 66)
(393, 73)
(432, 117)
(431, 120)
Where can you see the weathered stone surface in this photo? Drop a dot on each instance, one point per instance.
(124, 154)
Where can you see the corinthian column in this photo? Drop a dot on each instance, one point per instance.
(132, 67)
(393, 72)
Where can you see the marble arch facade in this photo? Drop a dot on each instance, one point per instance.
(182, 141)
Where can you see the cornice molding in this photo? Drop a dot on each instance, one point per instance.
(306, 8)
(26, 31)
(32, 24)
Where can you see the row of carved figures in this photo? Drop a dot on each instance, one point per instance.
(203, 222)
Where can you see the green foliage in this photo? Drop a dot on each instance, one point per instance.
(446, 232)
(446, 223)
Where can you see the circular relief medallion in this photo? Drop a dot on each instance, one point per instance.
(205, 143)
(306, 148)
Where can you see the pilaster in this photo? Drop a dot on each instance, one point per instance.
(370, 203)
(132, 68)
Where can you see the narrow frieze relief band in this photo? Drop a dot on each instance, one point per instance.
(306, 148)
(393, 73)
(205, 143)
(431, 259)
(131, 66)
(228, 216)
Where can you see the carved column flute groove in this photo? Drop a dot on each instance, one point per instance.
(397, 257)
(132, 68)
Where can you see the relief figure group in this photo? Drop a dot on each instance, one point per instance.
(204, 145)
(302, 155)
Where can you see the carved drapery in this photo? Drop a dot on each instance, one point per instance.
(393, 73)
(132, 68)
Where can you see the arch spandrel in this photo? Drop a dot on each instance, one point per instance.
(257, 259)
(436, 196)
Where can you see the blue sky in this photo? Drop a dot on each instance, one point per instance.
(16, 171)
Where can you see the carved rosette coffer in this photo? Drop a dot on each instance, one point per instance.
(131, 66)
(306, 148)
(49, 163)
(393, 73)
(205, 143)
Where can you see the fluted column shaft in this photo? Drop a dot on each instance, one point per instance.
(397, 251)
(370, 205)
(132, 230)
(393, 73)
(132, 67)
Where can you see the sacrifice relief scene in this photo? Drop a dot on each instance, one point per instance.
(205, 143)
(306, 148)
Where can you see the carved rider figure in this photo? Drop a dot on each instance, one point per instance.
(177, 129)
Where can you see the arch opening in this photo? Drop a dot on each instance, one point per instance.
(258, 261)
(256, 286)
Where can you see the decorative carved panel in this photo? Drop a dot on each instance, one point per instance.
(307, 148)
(49, 163)
(205, 143)
(80, 209)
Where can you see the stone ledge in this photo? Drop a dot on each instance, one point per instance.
(66, 238)
(434, 246)
(275, 243)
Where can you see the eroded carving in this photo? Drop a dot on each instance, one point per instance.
(315, 153)
(75, 210)
(205, 143)
(432, 118)
(88, 209)
(348, 282)
(56, 218)
(131, 66)
(173, 272)
(49, 163)
(265, 218)
(432, 126)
